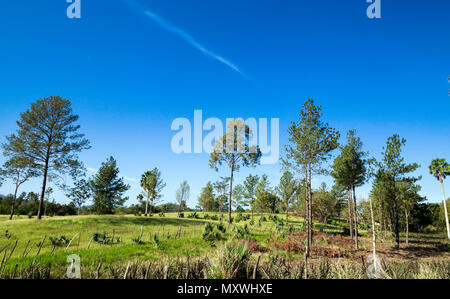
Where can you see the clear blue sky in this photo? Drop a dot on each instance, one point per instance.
(131, 67)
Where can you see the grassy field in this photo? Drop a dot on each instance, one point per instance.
(180, 239)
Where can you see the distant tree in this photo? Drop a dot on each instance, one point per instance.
(182, 195)
(48, 195)
(339, 194)
(48, 136)
(206, 199)
(286, 190)
(80, 193)
(220, 188)
(233, 149)
(393, 171)
(19, 170)
(408, 192)
(349, 170)
(311, 143)
(153, 184)
(267, 201)
(440, 169)
(249, 192)
(108, 188)
(238, 198)
(324, 204)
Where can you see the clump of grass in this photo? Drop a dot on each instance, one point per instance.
(231, 262)
(59, 241)
(104, 238)
(242, 232)
(214, 232)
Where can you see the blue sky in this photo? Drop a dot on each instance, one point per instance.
(131, 67)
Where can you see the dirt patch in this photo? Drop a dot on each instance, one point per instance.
(324, 245)
(253, 246)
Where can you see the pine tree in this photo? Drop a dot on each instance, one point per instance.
(311, 143)
(49, 137)
(108, 188)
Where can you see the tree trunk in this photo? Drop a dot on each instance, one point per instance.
(44, 185)
(355, 206)
(146, 207)
(13, 206)
(374, 238)
(309, 213)
(445, 210)
(396, 219)
(231, 191)
(350, 212)
(287, 212)
(407, 226)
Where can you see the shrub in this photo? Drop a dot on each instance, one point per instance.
(213, 232)
(180, 215)
(193, 215)
(103, 238)
(59, 241)
(231, 262)
(214, 217)
(242, 232)
(161, 214)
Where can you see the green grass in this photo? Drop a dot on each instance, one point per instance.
(28, 233)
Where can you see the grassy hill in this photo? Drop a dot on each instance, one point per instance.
(112, 242)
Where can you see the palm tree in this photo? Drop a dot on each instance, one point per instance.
(440, 169)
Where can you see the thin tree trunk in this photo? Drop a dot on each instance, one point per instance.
(350, 212)
(309, 216)
(407, 226)
(396, 219)
(355, 206)
(146, 207)
(231, 191)
(44, 185)
(445, 210)
(374, 238)
(287, 212)
(13, 206)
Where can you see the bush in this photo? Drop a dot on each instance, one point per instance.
(59, 241)
(214, 217)
(242, 232)
(430, 229)
(8, 235)
(180, 215)
(231, 262)
(161, 214)
(103, 238)
(193, 215)
(214, 232)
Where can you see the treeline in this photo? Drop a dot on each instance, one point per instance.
(47, 143)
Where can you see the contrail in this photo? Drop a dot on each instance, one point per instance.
(173, 29)
(177, 31)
